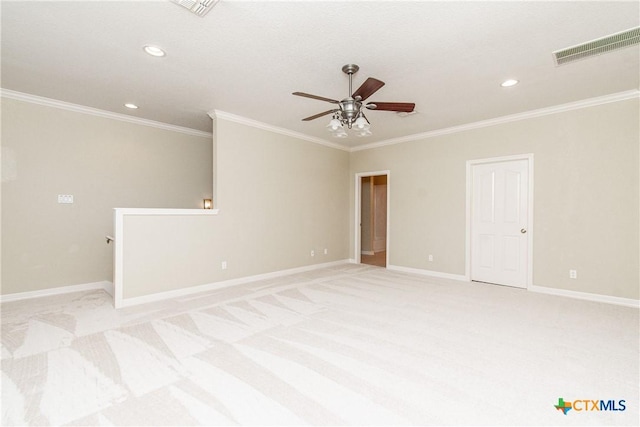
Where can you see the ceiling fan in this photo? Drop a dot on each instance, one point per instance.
(349, 111)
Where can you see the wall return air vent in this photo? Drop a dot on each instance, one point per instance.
(597, 47)
(199, 7)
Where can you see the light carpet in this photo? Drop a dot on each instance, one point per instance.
(348, 345)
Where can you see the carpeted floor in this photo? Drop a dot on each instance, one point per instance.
(349, 345)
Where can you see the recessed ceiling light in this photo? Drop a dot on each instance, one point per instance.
(130, 105)
(154, 50)
(509, 83)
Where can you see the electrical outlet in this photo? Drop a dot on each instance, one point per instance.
(313, 253)
(430, 258)
(65, 198)
(573, 274)
(223, 265)
(326, 251)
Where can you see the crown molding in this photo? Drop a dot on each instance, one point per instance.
(48, 102)
(264, 126)
(591, 102)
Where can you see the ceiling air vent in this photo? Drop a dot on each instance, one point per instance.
(598, 46)
(199, 7)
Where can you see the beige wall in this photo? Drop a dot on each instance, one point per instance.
(167, 252)
(279, 198)
(586, 196)
(104, 163)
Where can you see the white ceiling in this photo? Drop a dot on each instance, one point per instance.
(247, 57)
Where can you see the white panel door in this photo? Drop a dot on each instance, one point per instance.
(499, 218)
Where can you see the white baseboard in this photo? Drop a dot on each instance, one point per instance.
(627, 302)
(108, 287)
(430, 273)
(104, 285)
(128, 302)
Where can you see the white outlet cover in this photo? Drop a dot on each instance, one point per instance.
(65, 198)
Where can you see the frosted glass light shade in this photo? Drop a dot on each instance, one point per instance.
(361, 123)
(334, 125)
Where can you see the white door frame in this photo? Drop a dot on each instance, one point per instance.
(470, 164)
(357, 256)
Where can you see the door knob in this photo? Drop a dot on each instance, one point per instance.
(522, 230)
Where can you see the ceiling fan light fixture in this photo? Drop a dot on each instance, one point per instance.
(349, 112)
(344, 119)
(361, 123)
(336, 127)
(334, 124)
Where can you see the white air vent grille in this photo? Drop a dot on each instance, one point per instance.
(199, 7)
(597, 47)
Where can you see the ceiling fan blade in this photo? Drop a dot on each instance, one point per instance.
(315, 116)
(320, 98)
(368, 88)
(405, 107)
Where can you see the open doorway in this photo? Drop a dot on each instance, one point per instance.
(373, 219)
